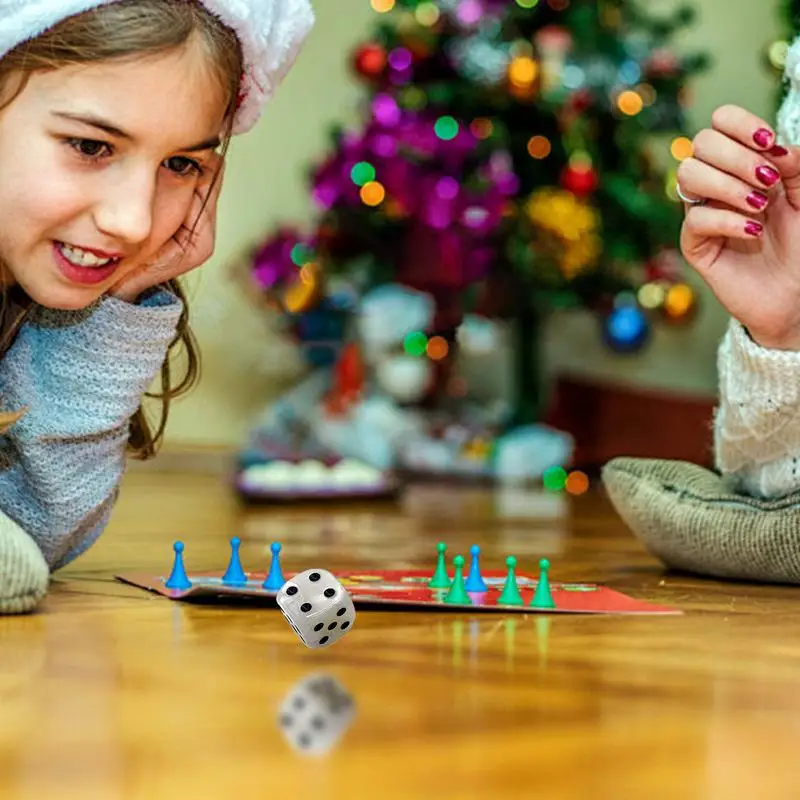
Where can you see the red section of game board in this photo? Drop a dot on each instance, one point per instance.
(399, 588)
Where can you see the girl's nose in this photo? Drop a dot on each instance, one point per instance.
(125, 210)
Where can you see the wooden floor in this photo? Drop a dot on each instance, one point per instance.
(111, 692)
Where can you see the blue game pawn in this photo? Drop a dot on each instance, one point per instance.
(475, 582)
(178, 578)
(275, 578)
(234, 575)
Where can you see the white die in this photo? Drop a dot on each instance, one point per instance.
(315, 714)
(317, 606)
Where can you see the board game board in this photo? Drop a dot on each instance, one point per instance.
(396, 588)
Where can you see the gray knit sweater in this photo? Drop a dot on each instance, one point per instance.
(81, 375)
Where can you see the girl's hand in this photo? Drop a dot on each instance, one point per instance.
(744, 238)
(185, 251)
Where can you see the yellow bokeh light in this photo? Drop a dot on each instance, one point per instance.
(372, 193)
(681, 148)
(629, 102)
(308, 274)
(539, 147)
(680, 300)
(382, 6)
(481, 128)
(427, 14)
(437, 348)
(299, 297)
(652, 295)
(522, 71)
(777, 53)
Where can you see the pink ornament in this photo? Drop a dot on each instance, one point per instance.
(469, 12)
(385, 110)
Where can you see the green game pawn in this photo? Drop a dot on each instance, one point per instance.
(440, 579)
(542, 598)
(510, 595)
(458, 592)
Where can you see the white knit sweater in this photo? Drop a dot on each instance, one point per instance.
(757, 423)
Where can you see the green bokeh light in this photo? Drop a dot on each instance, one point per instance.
(415, 343)
(362, 173)
(301, 255)
(446, 128)
(555, 479)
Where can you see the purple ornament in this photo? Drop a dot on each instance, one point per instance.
(401, 179)
(384, 145)
(447, 188)
(401, 77)
(400, 59)
(325, 194)
(272, 262)
(385, 110)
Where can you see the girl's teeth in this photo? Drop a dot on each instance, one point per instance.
(83, 259)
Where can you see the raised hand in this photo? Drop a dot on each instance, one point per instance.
(191, 245)
(741, 231)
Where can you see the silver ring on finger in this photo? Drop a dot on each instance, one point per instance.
(692, 201)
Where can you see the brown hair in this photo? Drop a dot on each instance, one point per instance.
(129, 29)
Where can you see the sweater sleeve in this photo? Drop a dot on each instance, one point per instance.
(80, 376)
(757, 422)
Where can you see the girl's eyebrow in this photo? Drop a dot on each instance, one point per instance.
(97, 122)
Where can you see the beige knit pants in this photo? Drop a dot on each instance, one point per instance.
(695, 520)
(24, 574)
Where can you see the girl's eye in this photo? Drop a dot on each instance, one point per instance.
(92, 149)
(87, 147)
(184, 166)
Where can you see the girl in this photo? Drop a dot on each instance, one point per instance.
(741, 232)
(115, 116)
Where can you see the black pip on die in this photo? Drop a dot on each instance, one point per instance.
(317, 607)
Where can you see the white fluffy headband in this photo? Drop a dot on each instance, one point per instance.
(271, 33)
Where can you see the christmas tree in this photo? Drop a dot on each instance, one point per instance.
(513, 158)
(789, 14)
(775, 52)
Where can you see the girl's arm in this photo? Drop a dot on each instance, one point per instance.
(757, 423)
(81, 375)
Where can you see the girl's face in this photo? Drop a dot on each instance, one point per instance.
(102, 158)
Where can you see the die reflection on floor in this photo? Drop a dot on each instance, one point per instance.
(113, 692)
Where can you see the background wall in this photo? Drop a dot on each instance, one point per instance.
(245, 361)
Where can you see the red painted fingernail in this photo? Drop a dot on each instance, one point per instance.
(754, 228)
(757, 199)
(767, 175)
(762, 137)
(778, 150)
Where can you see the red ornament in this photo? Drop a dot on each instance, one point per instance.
(580, 101)
(369, 61)
(662, 63)
(348, 381)
(665, 265)
(579, 180)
